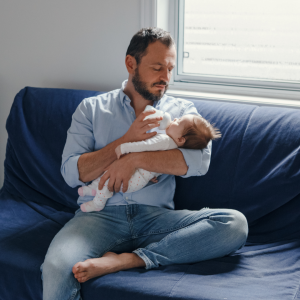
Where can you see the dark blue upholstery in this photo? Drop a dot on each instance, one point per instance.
(255, 168)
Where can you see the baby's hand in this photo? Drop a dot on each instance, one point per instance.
(118, 151)
(154, 179)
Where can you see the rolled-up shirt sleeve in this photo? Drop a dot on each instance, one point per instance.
(80, 139)
(197, 161)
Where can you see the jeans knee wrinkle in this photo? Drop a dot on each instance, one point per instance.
(174, 232)
(204, 217)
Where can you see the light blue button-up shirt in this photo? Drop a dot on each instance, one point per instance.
(101, 120)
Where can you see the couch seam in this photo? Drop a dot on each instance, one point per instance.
(297, 291)
(238, 156)
(176, 283)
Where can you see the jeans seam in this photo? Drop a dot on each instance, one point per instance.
(129, 220)
(73, 294)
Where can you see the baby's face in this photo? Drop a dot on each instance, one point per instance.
(176, 128)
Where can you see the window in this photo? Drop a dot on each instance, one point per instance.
(238, 47)
(248, 42)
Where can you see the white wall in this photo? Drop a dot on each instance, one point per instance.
(62, 44)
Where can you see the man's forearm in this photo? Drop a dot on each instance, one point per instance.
(91, 165)
(167, 162)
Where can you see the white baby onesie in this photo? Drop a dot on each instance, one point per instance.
(138, 180)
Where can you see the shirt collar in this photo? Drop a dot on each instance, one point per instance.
(124, 97)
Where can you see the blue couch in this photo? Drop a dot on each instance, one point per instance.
(255, 169)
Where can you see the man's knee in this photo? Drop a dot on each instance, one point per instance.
(58, 263)
(235, 231)
(239, 228)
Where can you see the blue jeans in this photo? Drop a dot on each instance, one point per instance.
(157, 235)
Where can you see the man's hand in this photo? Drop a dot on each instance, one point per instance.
(120, 171)
(137, 130)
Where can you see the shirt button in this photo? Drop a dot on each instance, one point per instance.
(132, 113)
(126, 198)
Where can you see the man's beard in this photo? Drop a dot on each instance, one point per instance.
(141, 88)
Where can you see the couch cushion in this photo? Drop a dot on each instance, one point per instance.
(269, 271)
(27, 229)
(255, 272)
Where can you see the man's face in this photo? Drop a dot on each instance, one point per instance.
(152, 75)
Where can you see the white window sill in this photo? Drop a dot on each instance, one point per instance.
(261, 101)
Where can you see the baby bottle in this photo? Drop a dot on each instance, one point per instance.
(165, 122)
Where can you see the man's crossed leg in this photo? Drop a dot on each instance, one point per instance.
(123, 237)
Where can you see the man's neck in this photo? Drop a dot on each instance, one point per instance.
(137, 101)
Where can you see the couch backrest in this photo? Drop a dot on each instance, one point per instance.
(37, 130)
(255, 166)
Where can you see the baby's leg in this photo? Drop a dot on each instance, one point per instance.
(91, 189)
(101, 196)
(99, 201)
(139, 179)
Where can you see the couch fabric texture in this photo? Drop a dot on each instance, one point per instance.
(255, 168)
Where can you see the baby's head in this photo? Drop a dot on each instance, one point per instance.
(192, 132)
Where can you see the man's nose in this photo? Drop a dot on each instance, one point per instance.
(165, 76)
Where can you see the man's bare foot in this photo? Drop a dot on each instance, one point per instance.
(109, 263)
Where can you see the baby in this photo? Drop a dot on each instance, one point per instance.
(189, 131)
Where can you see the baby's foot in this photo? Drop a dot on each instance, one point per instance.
(80, 192)
(90, 206)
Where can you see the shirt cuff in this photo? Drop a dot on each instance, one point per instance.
(197, 161)
(70, 172)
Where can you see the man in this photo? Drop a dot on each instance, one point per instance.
(140, 229)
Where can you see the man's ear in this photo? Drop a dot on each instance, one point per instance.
(130, 64)
(181, 141)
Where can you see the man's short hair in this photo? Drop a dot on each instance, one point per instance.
(141, 40)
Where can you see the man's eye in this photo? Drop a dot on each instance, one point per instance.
(156, 69)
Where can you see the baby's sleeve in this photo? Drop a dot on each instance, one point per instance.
(156, 143)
